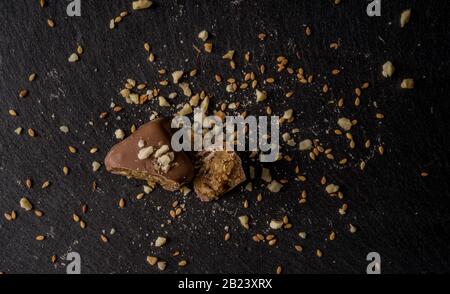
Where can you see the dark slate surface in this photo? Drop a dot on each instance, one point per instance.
(399, 214)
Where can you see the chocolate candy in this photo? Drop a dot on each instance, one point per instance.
(147, 155)
(219, 172)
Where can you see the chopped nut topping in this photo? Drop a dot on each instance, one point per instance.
(145, 153)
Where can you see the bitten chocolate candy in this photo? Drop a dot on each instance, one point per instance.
(147, 155)
(219, 172)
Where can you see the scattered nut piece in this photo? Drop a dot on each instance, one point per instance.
(388, 69)
(203, 35)
(176, 75)
(260, 96)
(305, 145)
(141, 4)
(73, 58)
(152, 260)
(345, 124)
(244, 221)
(160, 241)
(26, 204)
(161, 265)
(332, 188)
(96, 166)
(274, 187)
(404, 17)
(276, 225)
(119, 134)
(407, 84)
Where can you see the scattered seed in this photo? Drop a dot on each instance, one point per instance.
(122, 203)
(50, 23)
(104, 239)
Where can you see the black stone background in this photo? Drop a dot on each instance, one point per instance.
(399, 214)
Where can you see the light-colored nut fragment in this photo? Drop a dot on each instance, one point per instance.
(187, 109)
(186, 89)
(305, 145)
(407, 84)
(260, 95)
(160, 241)
(332, 188)
(119, 134)
(288, 114)
(231, 88)
(176, 76)
(163, 102)
(265, 175)
(185, 190)
(96, 166)
(161, 151)
(147, 189)
(204, 105)
(203, 35)
(73, 58)
(162, 265)
(404, 17)
(145, 153)
(64, 129)
(229, 55)
(141, 4)
(244, 221)
(388, 69)
(208, 47)
(18, 131)
(133, 98)
(26, 204)
(345, 124)
(165, 160)
(141, 143)
(152, 260)
(276, 224)
(274, 187)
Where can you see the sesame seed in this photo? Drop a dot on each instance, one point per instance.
(104, 239)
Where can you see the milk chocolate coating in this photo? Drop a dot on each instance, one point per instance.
(123, 159)
(219, 172)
